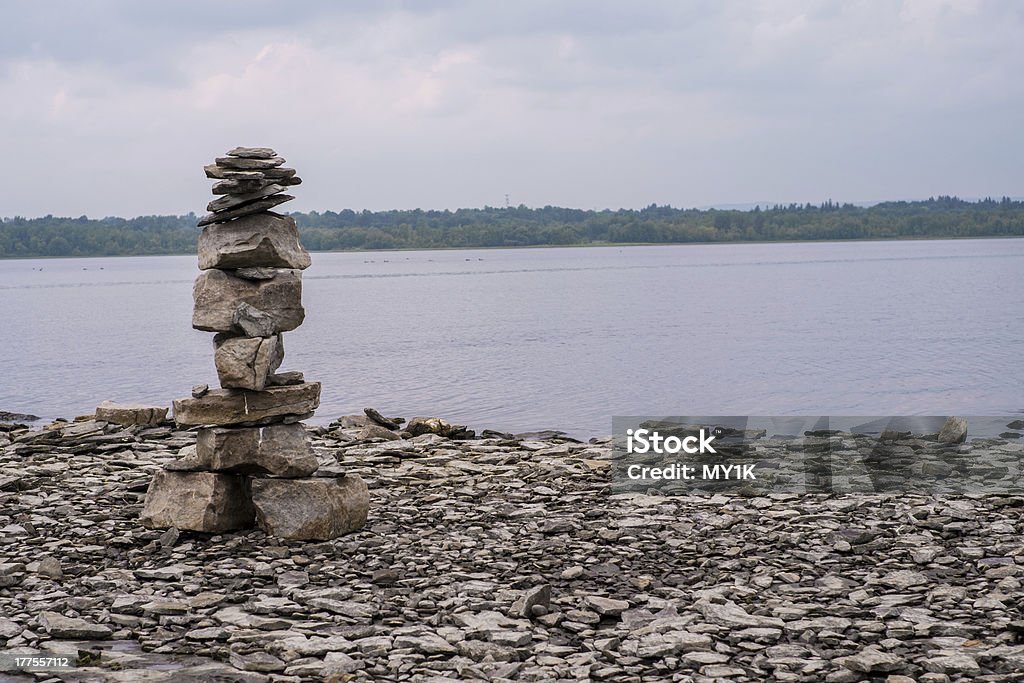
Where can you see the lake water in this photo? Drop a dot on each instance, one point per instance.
(524, 339)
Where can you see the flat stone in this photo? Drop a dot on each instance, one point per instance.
(256, 273)
(252, 153)
(131, 414)
(282, 379)
(247, 362)
(248, 163)
(219, 295)
(240, 186)
(222, 173)
(198, 501)
(280, 173)
(310, 509)
(258, 206)
(230, 201)
(58, 626)
(606, 607)
(275, 450)
(223, 407)
(732, 615)
(872, 660)
(262, 240)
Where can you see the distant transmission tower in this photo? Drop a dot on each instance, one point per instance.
(508, 204)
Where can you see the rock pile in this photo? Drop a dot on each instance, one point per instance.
(252, 460)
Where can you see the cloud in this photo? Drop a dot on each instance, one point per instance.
(116, 105)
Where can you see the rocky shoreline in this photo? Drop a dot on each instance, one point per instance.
(497, 558)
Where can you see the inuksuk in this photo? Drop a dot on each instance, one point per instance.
(252, 462)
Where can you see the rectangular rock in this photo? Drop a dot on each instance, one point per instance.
(247, 362)
(310, 509)
(261, 240)
(198, 501)
(276, 450)
(221, 407)
(131, 414)
(219, 299)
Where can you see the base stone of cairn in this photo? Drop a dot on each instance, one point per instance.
(252, 462)
(312, 509)
(198, 501)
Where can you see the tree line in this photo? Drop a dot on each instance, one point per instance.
(521, 226)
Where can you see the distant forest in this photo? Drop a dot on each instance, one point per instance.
(521, 226)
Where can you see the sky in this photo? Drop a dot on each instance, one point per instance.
(112, 107)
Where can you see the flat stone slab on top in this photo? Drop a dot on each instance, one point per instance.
(224, 407)
(262, 240)
(219, 298)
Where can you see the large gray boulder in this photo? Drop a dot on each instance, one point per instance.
(264, 239)
(276, 450)
(310, 509)
(223, 407)
(218, 297)
(131, 414)
(199, 501)
(247, 362)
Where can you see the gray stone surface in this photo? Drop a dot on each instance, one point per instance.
(221, 173)
(275, 450)
(459, 530)
(262, 240)
(217, 296)
(129, 414)
(253, 153)
(254, 207)
(239, 186)
(953, 431)
(198, 501)
(249, 164)
(230, 201)
(223, 407)
(310, 509)
(247, 362)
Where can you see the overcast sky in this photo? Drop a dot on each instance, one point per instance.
(111, 107)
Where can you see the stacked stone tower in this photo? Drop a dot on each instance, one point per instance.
(252, 462)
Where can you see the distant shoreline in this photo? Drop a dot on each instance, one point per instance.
(595, 245)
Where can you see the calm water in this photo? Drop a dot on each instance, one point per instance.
(556, 338)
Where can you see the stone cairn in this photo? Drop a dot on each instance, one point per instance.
(252, 462)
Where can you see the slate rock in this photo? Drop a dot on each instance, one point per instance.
(255, 207)
(221, 173)
(230, 201)
(310, 509)
(252, 153)
(953, 431)
(247, 362)
(264, 240)
(197, 501)
(248, 163)
(222, 407)
(58, 626)
(131, 414)
(276, 450)
(218, 295)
